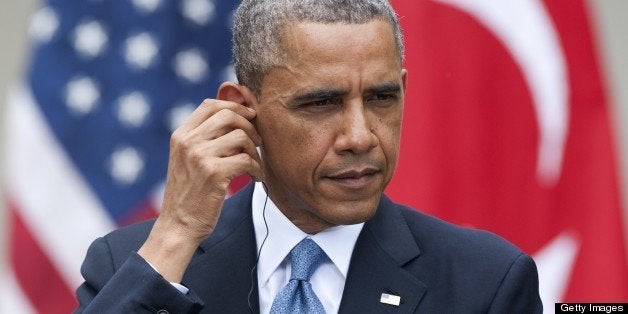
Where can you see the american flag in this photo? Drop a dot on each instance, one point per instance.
(87, 135)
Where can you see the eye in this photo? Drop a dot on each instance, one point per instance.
(382, 98)
(385, 96)
(322, 104)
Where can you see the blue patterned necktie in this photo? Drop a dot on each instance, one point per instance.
(297, 296)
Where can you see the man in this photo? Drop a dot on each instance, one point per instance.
(321, 94)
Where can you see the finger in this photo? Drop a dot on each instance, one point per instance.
(238, 164)
(232, 143)
(235, 142)
(209, 107)
(223, 122)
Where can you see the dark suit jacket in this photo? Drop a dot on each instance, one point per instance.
(434, 266)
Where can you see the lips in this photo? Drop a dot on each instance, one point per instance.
(353, 174)
(354, 178)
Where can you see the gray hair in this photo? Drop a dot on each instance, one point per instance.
(258, 29)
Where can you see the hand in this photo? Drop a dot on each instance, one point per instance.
(217, 143)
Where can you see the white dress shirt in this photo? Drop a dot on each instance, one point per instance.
(273, 269)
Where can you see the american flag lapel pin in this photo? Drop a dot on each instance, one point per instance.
(390, 299)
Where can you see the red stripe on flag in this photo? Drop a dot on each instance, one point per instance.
(39, 279)
(144, 211)
(239, 182)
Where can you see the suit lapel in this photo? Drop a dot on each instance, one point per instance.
(385, 245)
(221, 270)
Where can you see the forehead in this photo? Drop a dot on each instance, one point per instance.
(335, 54)
(332, 40)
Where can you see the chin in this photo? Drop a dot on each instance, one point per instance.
(353, 213)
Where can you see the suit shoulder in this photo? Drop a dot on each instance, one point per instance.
(132, 233)
(130, 238)
(473, 270)
(435, 234)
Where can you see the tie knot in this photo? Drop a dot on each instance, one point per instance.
(306, 257)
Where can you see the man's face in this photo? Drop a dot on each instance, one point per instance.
(330, 120)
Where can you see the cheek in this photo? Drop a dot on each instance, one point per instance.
(312, 142)
(298, 134)
(295, 143)
(389, 139)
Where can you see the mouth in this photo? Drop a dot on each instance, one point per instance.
(354, 178)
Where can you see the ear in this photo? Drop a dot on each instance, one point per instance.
(230, 91)
(404, 79)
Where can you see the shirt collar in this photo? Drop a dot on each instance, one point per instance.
(283, 235)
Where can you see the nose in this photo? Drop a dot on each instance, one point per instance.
(356, 133)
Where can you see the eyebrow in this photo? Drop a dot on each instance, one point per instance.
(385, 88)
(331, 93)
(317, 94)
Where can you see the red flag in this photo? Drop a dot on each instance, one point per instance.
(506, 128)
